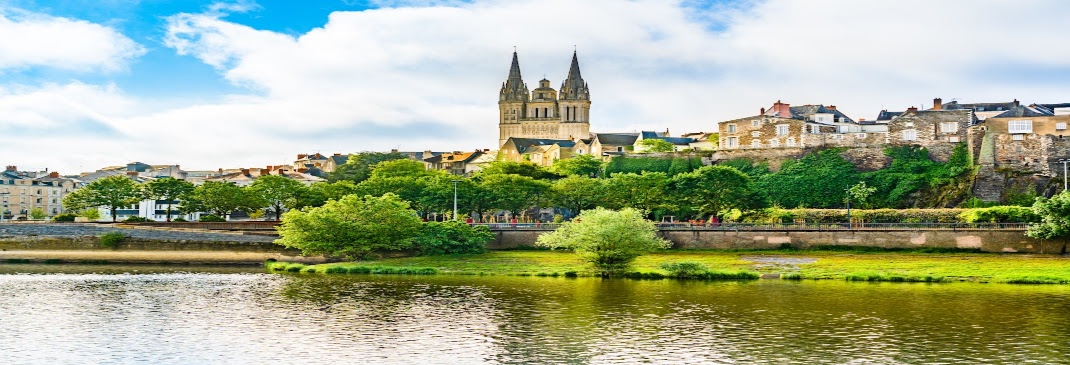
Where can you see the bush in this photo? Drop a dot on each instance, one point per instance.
(111, 239)
(64, 217)
(352, 226)
(452, 237)
(1000, 214)
(826, 216)
(211, 218)
(136, 219)
(179, 219)
(684, 269)
(609, 239)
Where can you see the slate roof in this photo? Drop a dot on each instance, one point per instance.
(1021, 111)
(1049, 108)
(980, 107)
(340, 160)
(885, 115)
(523, 145)
(806, 111)
(617, 139)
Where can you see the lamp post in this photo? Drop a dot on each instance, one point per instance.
(1064, 161)
(455, 199)
(848, 191)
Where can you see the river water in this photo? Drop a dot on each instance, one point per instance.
(164, 315)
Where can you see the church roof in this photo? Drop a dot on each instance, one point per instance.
(514, 89)
(523, 145)
(574, 88)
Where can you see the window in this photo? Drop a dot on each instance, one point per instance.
(910, 135)
(1020, 126)
(731, 128)
(860, 135)
(755, 123)
(791, 142)
(782, 129)
(755, 134)
(620, 149)
(953, 139)
(949, 127)
(1017, 137)
(1060, 126)
(756, 144)
(909, 124)
(844, 129)
(774, 143)
(731, 142)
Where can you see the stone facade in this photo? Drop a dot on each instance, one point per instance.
(544, 113)
(930, 128)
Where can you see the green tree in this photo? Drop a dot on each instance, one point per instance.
(399, 168)
(609, 239)
(647, 192)
(582, 165)
(92, 214)
(112, 192)
(319, 193)
(407, 179)
(352, 227)
(38, 214)
(817, 180)
(577, 193)
(860, 194)
(513, 193)
(359, 166)
(715, 190)
(220, 199)
(524, 168)
(1054, 218)
(169, 189)
(452, 237)
(279, 192)
(656, 145)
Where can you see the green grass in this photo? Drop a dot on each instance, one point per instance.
(733, 265)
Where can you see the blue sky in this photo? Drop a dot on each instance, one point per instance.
(210, 84)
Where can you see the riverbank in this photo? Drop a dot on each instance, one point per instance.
(769, 264)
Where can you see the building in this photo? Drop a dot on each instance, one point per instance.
(544, 113)
(607, 145)
(309, 161)
(22, 191)
(455, 163)
(678, 143)
(542, 152)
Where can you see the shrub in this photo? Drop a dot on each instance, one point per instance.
(136, 219)
(64, 217)
(452, 237)
(111, 239)
(684, 269)
(211, 218)
(609, 239)
(179, 219)
(1000, 214)
(352, 226)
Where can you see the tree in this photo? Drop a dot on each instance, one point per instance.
(715, 190)
(112, 192)
(452, 237)
(523, 168)
(169, 189)
(92, 214)
(582, 165)
(38, 214)
(279, 192)
(609, 239)
(359, 166)
(1054, 218)
(647, 192)
(399, 168)
(577, 193)
(860, 194)
(319, 193)
(656, 145)
(352, 226)
(220, 199)
(513, 193)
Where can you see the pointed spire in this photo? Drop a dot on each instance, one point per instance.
(574, 88)
(514, 89)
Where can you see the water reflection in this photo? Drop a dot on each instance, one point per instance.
(314, 319)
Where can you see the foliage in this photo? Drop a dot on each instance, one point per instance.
(577, 193)
(825, 216)
(279, 192)
(647, 192)
(629, 164)
(91, 214)
(112, 192)
(524, 168)
(714, 190)
(684, 269)
(169, 189)
(38, 214)
(582, 165)
(859, 193)
(514, 193)
(352, 226)
(911, 171)
(64, 217)
(111, 239)
(179, 219)
(257, 214)
(818, 180)
(745, 166)
(1054, 216)
(609, 239)
(320, 192)
(136, 219)
(1000, 214)
(211, 218)
(220, 198)
(452, 237)
(656, 145)
(398, 168)
(359, 166)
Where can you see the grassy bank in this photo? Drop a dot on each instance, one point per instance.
(800, 265)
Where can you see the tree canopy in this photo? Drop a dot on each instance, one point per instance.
(610, 240)
(656, 145)
(582, 165)
(221, 199)
(169, 189)
(714, 190)
(279, 192)
(112, 192)
(352, 226)
(1055, 217)
(359, 166)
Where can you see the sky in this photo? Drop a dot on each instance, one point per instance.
(250, 83)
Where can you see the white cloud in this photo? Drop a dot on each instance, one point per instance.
(427, 77)
(31, 39)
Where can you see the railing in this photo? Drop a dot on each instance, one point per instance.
(222, 226)
(683, 226)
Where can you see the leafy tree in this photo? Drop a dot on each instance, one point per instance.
(524, 168)
(715, 190)
(817, 180)
(359, 166)
(609, 239)
(656, 145)
(860, 194)
(38, 214)
(399, 168)
(169, 189)
(279, 192)
(647, 192)
(582, 165)
(1054, 218)
(452, 237)
(407, 179)
(112, 192)
(220, 199)
(352, 226)
(92, 214)
(577, 193)
(513, 193)
(320, 192)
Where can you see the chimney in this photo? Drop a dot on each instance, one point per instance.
(12, 168)
(912, 109)
(337, 154)
(393, 150)
(762, 112)
(265, 172)
(784, 110)
(245, 171)
(301, 155)
(220, 170)
(54, 175)
(938, 104)
(862, 120)
(1016, 103)
(831, 107)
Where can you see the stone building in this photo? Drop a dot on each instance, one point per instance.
(937, 130)
(784, 126)
(22, 191)
(542, 152)
(544, 113)
(456, 163)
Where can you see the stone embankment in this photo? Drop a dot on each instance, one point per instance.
(78, 242)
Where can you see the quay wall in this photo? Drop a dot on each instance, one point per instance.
(1005, 240)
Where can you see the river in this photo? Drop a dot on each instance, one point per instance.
(168, 315)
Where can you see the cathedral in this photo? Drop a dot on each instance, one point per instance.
(544, 113)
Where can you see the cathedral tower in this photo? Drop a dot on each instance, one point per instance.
(544, 113)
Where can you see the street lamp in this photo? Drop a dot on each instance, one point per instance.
(848, 191)
(455, 199)
(1064, 161)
